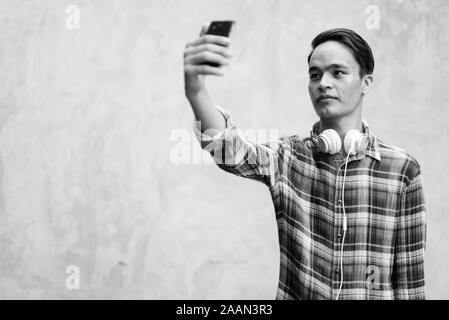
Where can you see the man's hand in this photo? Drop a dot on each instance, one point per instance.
(207, 48)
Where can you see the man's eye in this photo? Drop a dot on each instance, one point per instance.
(338, 73)
(314, 76)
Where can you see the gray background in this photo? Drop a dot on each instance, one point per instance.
(87, 118)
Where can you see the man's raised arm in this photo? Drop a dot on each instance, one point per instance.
(205, 49)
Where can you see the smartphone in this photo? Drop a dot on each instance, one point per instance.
(220, 28)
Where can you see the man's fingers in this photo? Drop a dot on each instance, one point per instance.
(208, 47)
(210, 38)
(205, 69)
(204, 57)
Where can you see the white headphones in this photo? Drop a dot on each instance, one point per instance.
(329, 141)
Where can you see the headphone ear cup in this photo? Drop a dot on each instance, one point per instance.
(329, 141)
(354, 142)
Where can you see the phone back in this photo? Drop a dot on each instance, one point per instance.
(220, 28)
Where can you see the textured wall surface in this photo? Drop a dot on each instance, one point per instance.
(90, 119)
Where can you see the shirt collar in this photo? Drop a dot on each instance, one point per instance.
(373, 148)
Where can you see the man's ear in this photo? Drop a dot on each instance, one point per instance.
(367, 81)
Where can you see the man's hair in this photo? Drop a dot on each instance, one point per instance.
(359, 47)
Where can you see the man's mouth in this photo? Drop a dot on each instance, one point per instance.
(326, 97)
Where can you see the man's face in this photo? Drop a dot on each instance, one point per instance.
(335, 86)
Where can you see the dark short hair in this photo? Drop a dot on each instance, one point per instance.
(359, 47)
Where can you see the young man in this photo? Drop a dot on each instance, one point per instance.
(349, 208)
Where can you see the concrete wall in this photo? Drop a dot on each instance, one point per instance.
(90, 119)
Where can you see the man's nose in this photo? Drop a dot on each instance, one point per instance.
(325, 83)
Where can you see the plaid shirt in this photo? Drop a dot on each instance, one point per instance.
(383, 197)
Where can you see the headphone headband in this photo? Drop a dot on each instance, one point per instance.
(365, 127)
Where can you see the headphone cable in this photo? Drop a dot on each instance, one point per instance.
(345, 225)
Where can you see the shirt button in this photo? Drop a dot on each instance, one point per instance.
(337, 271)
(339, 235)
(339, 202)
